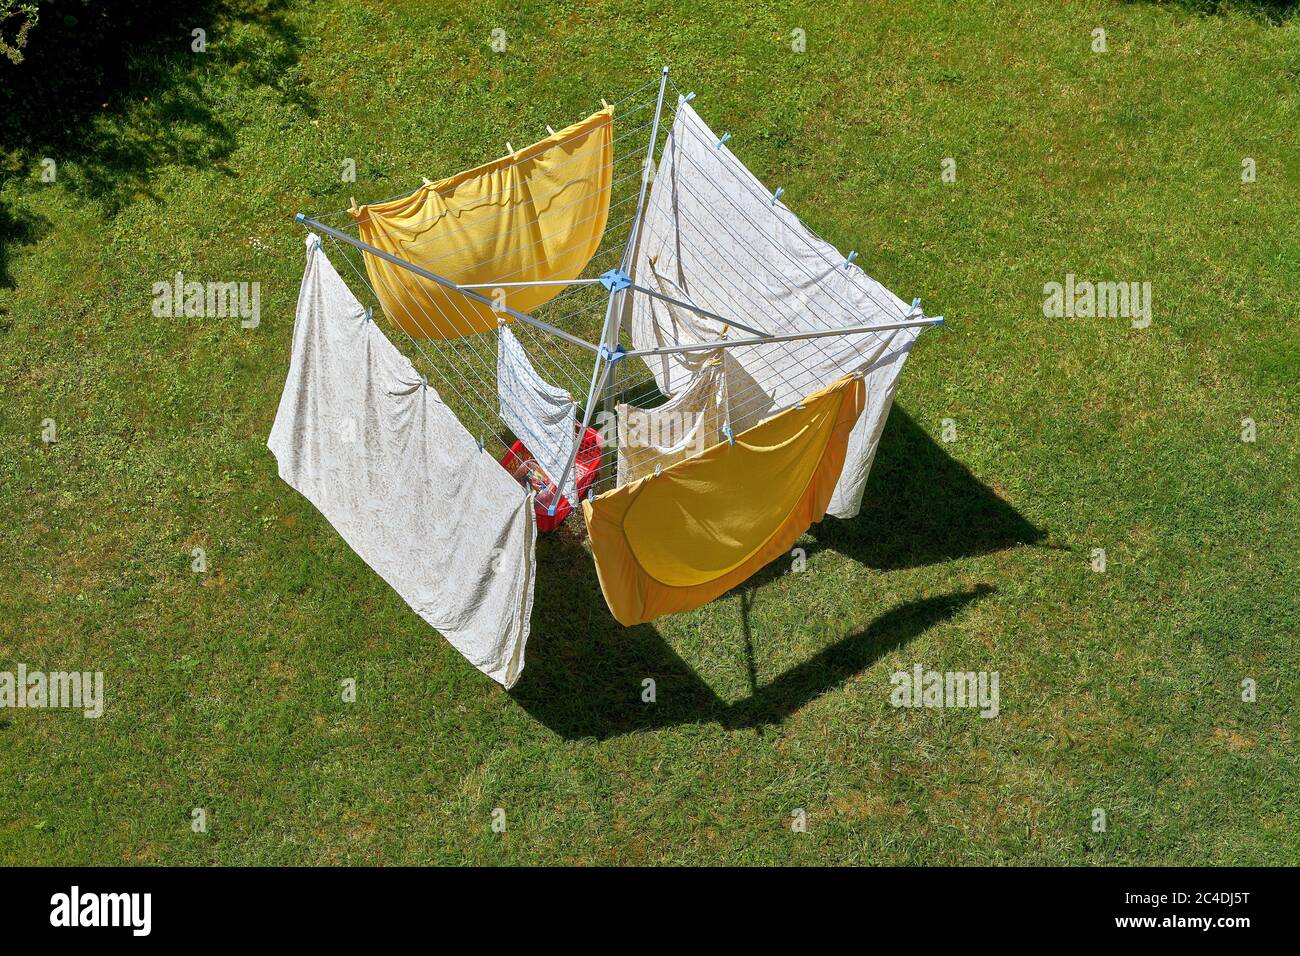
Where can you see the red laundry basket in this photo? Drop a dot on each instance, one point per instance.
(585, 469)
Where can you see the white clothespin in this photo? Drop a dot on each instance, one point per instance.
(549, 130)
(604, 103)
(509, 149)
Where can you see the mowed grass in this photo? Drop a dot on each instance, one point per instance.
(1120, 690)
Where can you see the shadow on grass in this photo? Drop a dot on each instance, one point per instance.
(1270, 11)
(587, 683)
(112, 91)
(921, 507)
(585, 671)
(18, 227)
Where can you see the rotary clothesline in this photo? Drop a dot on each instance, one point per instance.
(763, 366)
(474, 361)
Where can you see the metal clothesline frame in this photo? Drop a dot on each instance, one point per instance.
(607, 351)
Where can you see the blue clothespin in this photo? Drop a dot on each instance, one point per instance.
(480, 442)
(657, 469)
(424, 383)
(725, 137)
(688, 97)
(367, 318)
(726, 430)
(849, 261)
(550, 510)
(777, 195)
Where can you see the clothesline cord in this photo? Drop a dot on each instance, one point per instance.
(337, 213)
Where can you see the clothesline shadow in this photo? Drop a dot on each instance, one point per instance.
(586, 673)
(921, 507)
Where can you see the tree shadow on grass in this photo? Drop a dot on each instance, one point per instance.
(1270, 11)
(113, 91)
(18, 227)
(585, 671)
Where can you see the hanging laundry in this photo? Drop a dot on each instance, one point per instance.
(374, 448)
(542, 416)
(669, 324)
(716, 233)
(685, 425)
(675, 541)
(535, 214)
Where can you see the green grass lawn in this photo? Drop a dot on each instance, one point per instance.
(1120, 690)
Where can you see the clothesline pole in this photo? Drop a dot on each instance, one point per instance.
(630, 249)
(598, 376)
(617, 297)
(608, 387)
(320, 227)
(789, 337)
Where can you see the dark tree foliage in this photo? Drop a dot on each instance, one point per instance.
(79, 55)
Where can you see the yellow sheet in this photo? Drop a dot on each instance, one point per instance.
(673, 542)
(536, 214)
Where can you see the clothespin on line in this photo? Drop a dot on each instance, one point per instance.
(352, 205)
(725, 137)
(849, 260)
(549, 130)
(510, 150)
(427, 180)
(604, 103)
